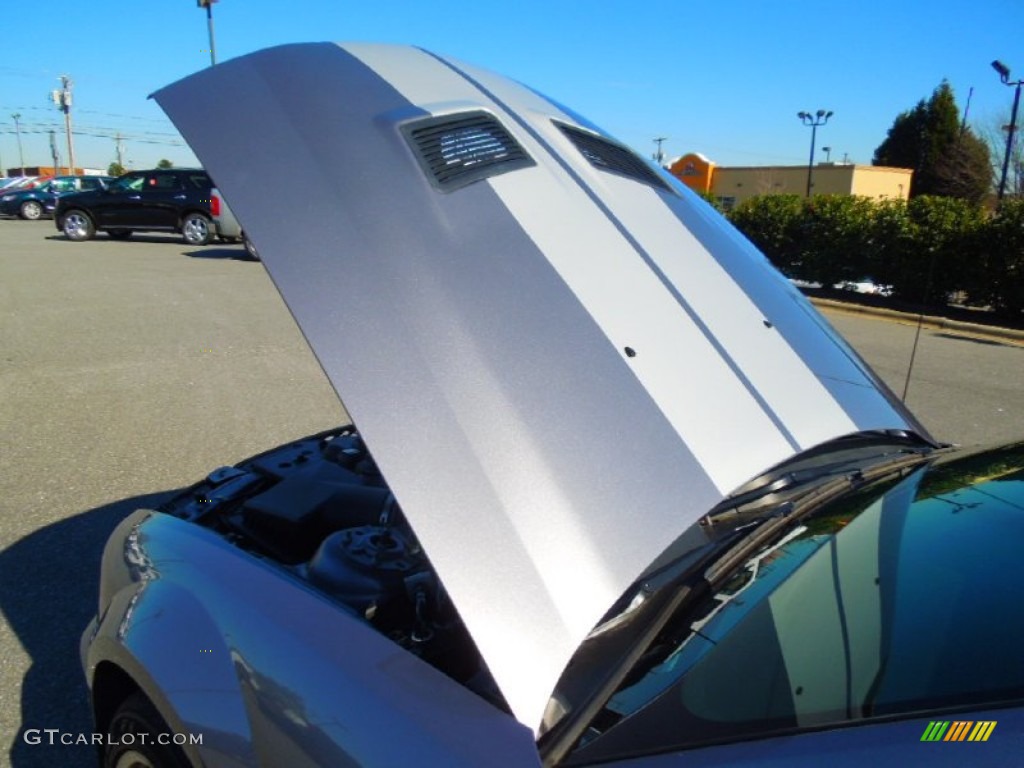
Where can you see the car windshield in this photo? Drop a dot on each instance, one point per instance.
(900, 598)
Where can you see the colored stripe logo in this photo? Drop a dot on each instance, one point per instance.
(959, 730)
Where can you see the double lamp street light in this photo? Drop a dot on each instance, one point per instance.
(813, 121)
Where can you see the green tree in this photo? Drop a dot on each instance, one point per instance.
(947, 161)
(165, 163)
(115, 169)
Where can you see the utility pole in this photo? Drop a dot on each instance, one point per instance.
(62, 98)
(120, 150)
(53, 151)
(17, 129)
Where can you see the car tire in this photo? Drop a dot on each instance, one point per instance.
(197, 229)
(31, 210)
(78, 226)
(132, 738)
(119, 234)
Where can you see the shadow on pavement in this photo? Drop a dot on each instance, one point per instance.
(136, 237)
(219, 251)
(975, 340)
(50, 582)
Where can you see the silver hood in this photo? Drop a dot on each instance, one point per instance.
(559, 357)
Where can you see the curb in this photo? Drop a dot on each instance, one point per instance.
(929, 321)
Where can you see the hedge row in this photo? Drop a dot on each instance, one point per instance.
(929, 249)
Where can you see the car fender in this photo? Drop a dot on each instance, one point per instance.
(270, 671)
(164, 639)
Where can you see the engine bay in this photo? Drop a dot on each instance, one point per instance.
(320, 508)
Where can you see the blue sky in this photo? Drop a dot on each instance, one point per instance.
(722, 78)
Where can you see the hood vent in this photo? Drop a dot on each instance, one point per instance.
(456, 150)
(609, 156)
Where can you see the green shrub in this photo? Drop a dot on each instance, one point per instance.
(834, 238)
(945, 234)
(998, 276)
(771, 223)
(929, 250)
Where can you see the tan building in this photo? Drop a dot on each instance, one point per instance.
(734, 185)
(49, 170)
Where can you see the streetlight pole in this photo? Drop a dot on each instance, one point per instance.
(1004, 75)
(818, 118)
(17, 129)
(208, 5)
(659, 156)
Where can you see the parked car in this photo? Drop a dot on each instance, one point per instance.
(14, 182)
(228, 228)
(864, 285)
(36, 202)
(617, 494)
(162, 200)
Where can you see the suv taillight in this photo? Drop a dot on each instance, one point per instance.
(214, 205)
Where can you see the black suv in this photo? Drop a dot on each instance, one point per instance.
(171, 200)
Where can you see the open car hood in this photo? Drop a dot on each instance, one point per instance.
(559, 357)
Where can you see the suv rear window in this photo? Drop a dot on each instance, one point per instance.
(198, 181)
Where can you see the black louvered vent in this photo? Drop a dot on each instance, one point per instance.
(456, 150)
(609, 156)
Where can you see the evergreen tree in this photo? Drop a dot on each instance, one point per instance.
(946, 160)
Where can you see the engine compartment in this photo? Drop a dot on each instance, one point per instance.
(320, 508)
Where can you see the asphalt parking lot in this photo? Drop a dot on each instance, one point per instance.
(132, 368)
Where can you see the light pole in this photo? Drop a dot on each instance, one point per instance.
(828, 154)
(208, 5)
(1004, 75)
(659, 156)
(17, 129)
(818, 118)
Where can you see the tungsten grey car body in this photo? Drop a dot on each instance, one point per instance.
(560, 362)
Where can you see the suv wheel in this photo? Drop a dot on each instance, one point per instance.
(78, 226)
(31, 210)
(196, 229)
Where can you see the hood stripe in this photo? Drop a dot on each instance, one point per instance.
(631, 306)
(834, 386)
(640, 250)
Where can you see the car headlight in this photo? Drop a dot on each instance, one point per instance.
(5, 198)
